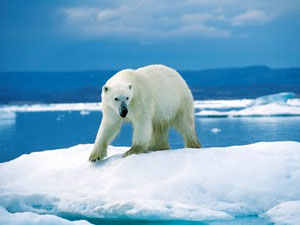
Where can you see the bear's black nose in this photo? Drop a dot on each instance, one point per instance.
(123, 113)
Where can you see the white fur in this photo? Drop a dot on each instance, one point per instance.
(158, 97)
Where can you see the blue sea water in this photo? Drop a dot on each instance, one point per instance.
(245, 220)
(38, 131)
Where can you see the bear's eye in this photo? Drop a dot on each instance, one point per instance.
(116, 99)
(127, 98)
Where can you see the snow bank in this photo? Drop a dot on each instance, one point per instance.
(206, 184)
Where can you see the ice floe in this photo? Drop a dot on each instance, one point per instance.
(287, 213)
(26, 218)
(51, 107)
(191, 184)
(215, 130)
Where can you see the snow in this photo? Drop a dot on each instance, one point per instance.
(206, 184)
(285, 213)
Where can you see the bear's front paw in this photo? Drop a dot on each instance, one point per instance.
(97, 155)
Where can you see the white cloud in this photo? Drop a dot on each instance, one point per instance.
(252, 17)
(148, 20)
(199, 30)
(127, 21)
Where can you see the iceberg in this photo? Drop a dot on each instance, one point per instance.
(218, 183)
(283, 97)
(282, 104)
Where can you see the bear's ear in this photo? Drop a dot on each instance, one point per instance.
(130, 86)
(105, 89)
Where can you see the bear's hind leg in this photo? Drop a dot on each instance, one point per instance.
(185, 125)
(159, 139)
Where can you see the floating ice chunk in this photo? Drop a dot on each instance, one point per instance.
(59, 117)
(84, 112)
(25, 218)
(193, 184)
(215, 130)
(287, 213)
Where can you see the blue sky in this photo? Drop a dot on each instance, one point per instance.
(62, 35)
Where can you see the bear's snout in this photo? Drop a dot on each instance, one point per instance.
(123, 113)
(123, 110)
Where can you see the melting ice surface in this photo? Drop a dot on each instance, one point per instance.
(204, 185)
(282, 104)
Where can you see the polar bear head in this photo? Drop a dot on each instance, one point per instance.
(118, 97)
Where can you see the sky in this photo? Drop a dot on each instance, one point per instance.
(67, 35)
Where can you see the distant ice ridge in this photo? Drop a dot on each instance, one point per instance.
(282, 104)
(83, 107)
(208, 184)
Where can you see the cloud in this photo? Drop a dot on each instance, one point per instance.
(252, 17)
(141, 22)
(148, 20)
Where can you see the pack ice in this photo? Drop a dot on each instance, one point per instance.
(208, 184)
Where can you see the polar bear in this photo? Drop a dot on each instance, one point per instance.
(152, 98)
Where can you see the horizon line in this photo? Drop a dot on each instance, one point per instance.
(181, 70)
